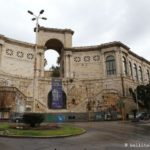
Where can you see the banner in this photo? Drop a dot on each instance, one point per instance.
(57, 97)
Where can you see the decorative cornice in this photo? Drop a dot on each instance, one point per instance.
(20, 43)
(139, 57)
(17, 42)
(56, 30)
(106, 45)
(95, 47)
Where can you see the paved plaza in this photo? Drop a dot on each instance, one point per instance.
(99, 136)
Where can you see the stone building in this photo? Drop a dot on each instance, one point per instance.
(92, 76)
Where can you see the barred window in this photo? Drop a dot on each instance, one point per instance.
(110, 65)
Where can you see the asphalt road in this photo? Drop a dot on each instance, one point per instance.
(99, 136)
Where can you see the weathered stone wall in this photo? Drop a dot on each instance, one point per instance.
(85, 75)
(17, 59)
(63, 35)
(87, 64)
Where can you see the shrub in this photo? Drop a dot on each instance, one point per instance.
(33, 119)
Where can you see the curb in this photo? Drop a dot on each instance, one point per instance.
(44, 137)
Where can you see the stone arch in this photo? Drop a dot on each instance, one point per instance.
(63, 35)
(54, 44)
(57, 39)
(58, 46)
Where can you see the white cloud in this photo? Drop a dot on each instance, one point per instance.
(94, 22)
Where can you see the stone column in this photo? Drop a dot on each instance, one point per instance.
(103, 61)
(1, 52)
(68, 64)
(41, 64)
(120, 73)
(118, 69)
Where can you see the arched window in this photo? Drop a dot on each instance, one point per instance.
(110, 65)
(135, 72)
(140, 74)
(130, 69)
(148, 75)
(124, 66)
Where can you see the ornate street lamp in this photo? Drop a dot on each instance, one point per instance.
(36, 18)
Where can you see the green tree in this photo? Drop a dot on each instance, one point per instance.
(33, 119)
(143, 95)
(55, 71)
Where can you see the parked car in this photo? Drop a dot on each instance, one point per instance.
(108, 116)
(143, 116)
(17, 119)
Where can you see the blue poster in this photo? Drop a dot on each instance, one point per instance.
(57, 97)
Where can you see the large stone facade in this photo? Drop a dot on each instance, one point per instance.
(95, 75)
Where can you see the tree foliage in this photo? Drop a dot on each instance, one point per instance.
(143, 94)
(55, 71)
(33, 118)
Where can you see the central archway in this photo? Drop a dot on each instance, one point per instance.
(56, 45)
(51, 58)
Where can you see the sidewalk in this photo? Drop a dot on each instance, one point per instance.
(144, 122)
(141, 122)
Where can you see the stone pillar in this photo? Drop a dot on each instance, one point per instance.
(38, 63)
(128, 67)
(68, 64)
(62, 63)
(120, 73)
(1, 52)
(68, 40)
(41, 64)
(103, 61)
(70, 67)
(0, 55)
(118, 63)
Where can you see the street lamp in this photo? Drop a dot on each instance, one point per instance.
(36, 18)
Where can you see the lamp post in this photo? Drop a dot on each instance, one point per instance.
(36, 18)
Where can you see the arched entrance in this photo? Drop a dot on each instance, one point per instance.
(56, 45)
(58, 40)
(51, 58)
(56, 103)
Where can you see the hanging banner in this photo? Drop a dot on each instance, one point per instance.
(57, 97)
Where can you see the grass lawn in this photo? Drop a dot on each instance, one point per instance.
(64, 130)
